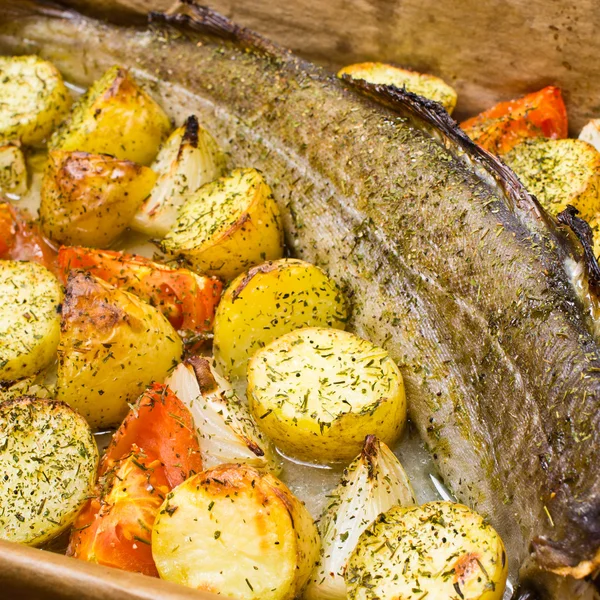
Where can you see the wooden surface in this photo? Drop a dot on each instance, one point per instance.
(489, 50)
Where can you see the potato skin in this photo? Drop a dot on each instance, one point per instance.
(318, 392)
(440, 550)
(236, 531)
(115, 116)
(49, 460)
(240, 226)
(112, 346)
(30, 298)
(268, 301)
(90, 199)
(33, 99)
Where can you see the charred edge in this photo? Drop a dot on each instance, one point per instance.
(202, 19)
(255, 448)
(264, 268)
(204, 376)
(370, 453)
(190, 134)
(585, 236)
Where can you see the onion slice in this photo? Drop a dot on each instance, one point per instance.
(226, 430)
(373, 483)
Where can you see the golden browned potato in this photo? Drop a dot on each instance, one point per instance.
(438, 551)
(112, 346)
(559, 172)
(13, 170)
(90, 199)
(268, 301)
(33, 99)
(115, 116)
(318, 392)
(49, 460)
(228, 226)
(238, 532)
(189, 159)
(428, 86)
(30, 298)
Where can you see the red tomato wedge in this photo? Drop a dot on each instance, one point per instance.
(22, 240)
(502, 127)
(161, 426)
(188, 300)
(115, 530)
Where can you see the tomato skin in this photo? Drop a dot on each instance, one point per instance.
(162, 426)
(188, 300)
(22, 240)
(502, 127)
(115, 529)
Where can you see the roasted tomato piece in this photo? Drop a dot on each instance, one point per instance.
(22, 240)
(188, 300)
(115, 529)
(162, 426)
(502, 127)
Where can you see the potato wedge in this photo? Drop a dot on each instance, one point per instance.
(559, 172)
(228, 226)
(117, 117)
(49, 460)
(189, 159)
(226, 431)
(318, 392)
(439, 550)
(13, 170)
(235, 531)
(30, 298)
(268, 301)
(90, 199)
(33, 99)
(428, 86)
(112, 346)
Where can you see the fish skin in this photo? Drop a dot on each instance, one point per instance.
(463, 282)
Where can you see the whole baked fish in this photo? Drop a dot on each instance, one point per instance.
(449, 263)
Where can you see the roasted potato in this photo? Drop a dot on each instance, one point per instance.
(49, 461)
(559, 172)
(235, 531)
(226, 431)
(591, 133)
(422, 84)
(115, 116)
(318, 392)
(13, 170)
(439, 550)
(90, 199)
(268, 301)
(189, 159)
(228, 226)
(33, 99)
(30, 298)
(112, 346)
(40, 385)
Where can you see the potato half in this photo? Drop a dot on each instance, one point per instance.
(112, 346)
(425, 85)
(33, 98)
(90, 199)
(318, 392)
(49, 460)
(115, 116)
(268, 301)
(189, 159)
(13, 170)
(559, 172)
(228, 226)
(437, 551)
(235, 531)
(30, 298)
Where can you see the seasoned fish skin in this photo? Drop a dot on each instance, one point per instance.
(465, 288)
